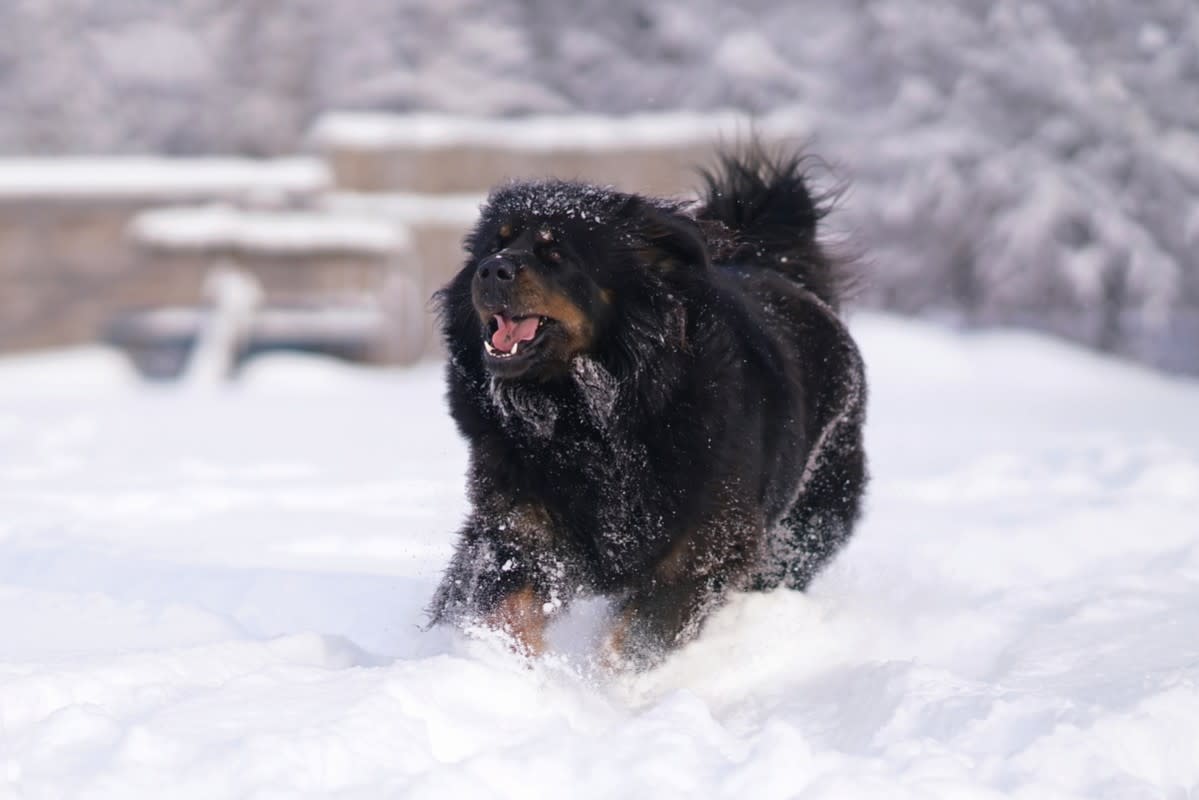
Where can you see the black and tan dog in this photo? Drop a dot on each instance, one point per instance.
(661, 402)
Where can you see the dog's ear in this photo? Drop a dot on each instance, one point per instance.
(671, 240)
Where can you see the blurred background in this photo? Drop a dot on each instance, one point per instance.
(199, 181)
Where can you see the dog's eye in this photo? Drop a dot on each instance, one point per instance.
(553, 254)
(504, 235)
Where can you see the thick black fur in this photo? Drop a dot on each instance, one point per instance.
(704, 436)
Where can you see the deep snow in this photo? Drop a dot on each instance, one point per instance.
(218, 592)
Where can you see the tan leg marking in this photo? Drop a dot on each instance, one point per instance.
(612, 653)
(521, 616)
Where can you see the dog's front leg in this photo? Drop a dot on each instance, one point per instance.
(497, 580)
(655, 619)
(667, 608)
(523, 615)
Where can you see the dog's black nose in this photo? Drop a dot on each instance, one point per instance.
(495, 280)
(497, 268)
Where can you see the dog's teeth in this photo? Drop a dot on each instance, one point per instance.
(515, 347)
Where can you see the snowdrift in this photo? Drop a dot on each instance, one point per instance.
(219, 593)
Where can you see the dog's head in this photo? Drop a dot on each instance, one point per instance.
(554, 271)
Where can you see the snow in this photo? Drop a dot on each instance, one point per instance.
(87, 370)
(220, 226)
(585, 132)
(455, 209)
(219, 593)
(147, 177)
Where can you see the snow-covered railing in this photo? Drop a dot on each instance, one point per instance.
(164, 342)
(223, 228)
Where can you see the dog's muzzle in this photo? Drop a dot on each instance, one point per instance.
(495, 278)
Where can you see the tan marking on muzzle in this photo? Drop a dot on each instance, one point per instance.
(541, 299)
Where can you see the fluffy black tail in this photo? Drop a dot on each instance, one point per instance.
(763, 213)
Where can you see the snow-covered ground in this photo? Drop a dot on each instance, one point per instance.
(218, 593)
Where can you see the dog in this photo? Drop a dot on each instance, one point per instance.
(661, 401)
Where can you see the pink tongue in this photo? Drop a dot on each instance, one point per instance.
(510, 332)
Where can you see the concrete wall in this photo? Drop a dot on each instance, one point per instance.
(62, 264)
(653, 153)
(463, 168)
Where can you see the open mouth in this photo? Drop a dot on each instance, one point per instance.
(511, 336)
